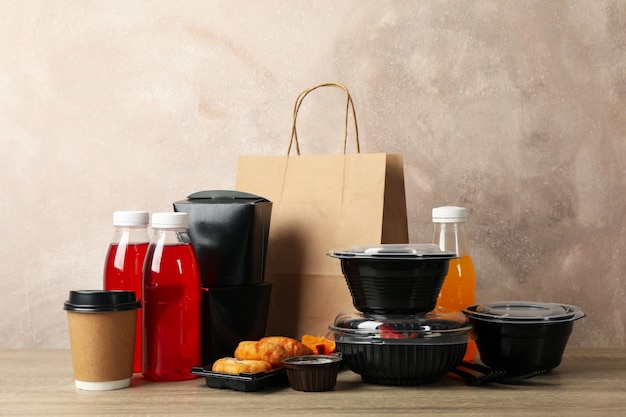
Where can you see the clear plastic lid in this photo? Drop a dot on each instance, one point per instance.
(425, 328)
(528, 312)
(394, 251)
(312, 360)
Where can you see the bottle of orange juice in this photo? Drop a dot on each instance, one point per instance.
(458, 290)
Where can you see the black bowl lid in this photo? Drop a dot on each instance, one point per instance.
(403, 251)
(528, 312)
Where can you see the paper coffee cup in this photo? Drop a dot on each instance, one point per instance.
(102, 337)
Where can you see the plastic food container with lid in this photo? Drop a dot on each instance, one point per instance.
(522, 336)
(401, 350)
(312, 373)
(394, 278)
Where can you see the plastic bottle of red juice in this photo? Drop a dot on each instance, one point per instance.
(124, 262)
(171, 301)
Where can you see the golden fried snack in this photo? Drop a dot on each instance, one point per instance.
(293, 346)
(237, 366)
(263, 351)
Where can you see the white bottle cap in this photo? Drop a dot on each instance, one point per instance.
(449, 214)
(176, 220)
(130, 218)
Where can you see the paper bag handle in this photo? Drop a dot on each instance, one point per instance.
(349, 106)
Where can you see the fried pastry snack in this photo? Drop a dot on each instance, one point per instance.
(240, 366)
(292, 346)
(264, 351)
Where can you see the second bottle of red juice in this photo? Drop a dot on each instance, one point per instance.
(171, 301)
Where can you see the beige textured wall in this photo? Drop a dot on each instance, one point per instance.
(514, 109)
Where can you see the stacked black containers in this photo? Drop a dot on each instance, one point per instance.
(396, 338)
(229, 231)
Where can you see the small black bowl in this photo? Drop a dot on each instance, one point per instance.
(312, 373)
(520, 337)
(394, 279)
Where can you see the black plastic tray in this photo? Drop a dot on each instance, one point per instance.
(242, 382)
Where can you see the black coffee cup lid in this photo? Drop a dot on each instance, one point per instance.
(98, 301)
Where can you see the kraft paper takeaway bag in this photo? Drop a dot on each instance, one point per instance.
(322, 203)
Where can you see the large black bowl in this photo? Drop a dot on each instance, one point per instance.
(395, 363)
(521, 337)
(392, 282)
(400, 350)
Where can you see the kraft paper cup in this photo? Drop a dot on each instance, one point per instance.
(102, 338)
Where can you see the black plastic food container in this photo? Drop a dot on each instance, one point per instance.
(232, 314)
(401, 350)
(241, 382)
(394, 278)
(229, 231)
(312, 373)
(520, 336)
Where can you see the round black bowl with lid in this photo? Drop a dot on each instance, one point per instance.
(522, 336)
(394, 278)
(401, 350)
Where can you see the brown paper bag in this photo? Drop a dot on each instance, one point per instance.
(322, 203)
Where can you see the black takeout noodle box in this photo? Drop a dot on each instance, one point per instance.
(229, 231)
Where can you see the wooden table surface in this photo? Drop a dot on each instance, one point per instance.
(588, 382)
